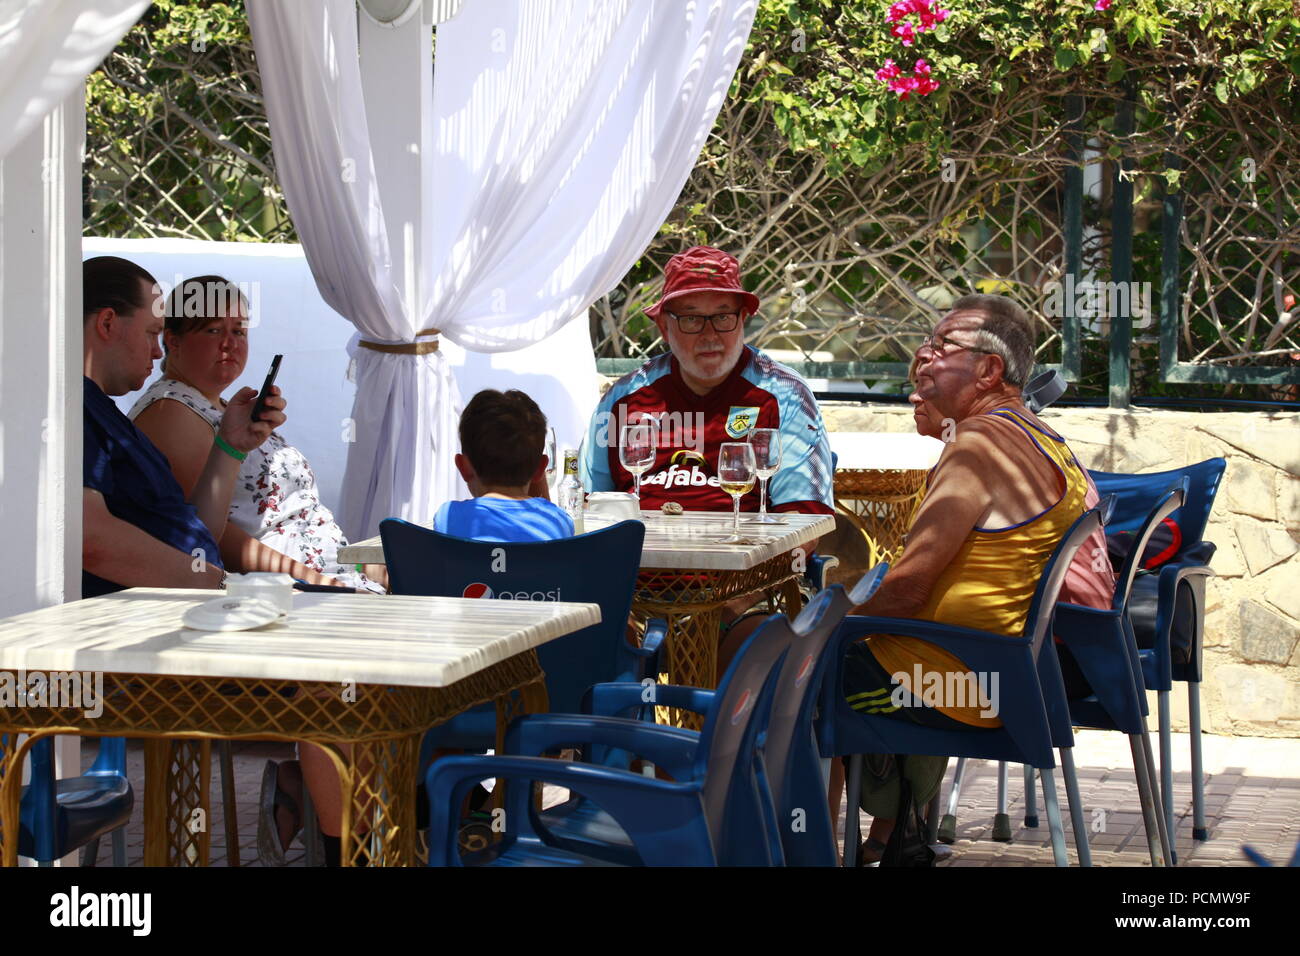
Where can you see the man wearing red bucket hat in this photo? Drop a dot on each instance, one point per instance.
(710, 388)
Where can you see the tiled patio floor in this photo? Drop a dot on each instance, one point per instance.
(1252, 796)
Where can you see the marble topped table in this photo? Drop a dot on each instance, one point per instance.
(688, 574)
(343, 669)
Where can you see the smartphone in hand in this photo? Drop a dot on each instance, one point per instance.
(260, 405)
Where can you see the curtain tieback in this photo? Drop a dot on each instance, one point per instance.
(406, 348)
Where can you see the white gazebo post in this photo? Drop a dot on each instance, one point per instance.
(397, 82)
(40, 372)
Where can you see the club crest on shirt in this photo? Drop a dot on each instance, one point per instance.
(740, 420)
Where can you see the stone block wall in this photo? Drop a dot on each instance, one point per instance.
(1252, 641)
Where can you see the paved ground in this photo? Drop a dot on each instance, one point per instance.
(1252, 796)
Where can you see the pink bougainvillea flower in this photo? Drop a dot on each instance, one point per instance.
(899, 10)
(921, 68)
(926, 87)
(888, 71)
(904, 32)
(1101, 5)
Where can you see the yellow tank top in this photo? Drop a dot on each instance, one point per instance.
(990, 583)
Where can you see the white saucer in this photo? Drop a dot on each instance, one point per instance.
(231, 614)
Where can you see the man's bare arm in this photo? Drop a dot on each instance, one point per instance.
(960, 494)
(118, 551)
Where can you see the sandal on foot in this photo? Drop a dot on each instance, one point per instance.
(279, 815)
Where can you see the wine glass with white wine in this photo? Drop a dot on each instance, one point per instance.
(767, 462)
(736, 477)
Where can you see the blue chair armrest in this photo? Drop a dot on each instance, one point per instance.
(644, 661)
(974, 647)
(671, 748)
(621, 699)
(819, 566)
(665, 820)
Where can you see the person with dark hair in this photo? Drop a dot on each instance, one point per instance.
(1004, 492)
(277, 520)
(503, 461)
(139, 528)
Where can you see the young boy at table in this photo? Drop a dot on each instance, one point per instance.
(503, 461)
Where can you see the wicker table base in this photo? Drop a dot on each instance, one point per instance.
(371, 732)
(691, 602)
(881, 503)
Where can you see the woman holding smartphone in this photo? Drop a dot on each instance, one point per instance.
(277, 521)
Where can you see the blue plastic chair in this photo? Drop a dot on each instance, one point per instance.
(791, 763)
(1026, 735)
(596, 568)
(57, 817)
(716, 810)
(1169, 601)
(1103, 645)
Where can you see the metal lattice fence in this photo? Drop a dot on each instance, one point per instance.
(1029, 199)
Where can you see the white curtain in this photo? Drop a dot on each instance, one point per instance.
(47, 47)
(564, 131)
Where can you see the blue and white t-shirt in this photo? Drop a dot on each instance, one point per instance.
(503, 519)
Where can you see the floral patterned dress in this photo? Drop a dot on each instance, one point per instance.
(275, 499)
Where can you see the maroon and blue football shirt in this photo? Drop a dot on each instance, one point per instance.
(759, 393)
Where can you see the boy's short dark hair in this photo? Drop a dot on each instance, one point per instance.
(111, 282)
(503, 435)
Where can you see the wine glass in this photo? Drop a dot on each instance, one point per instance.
(767, 462)
(736, 478)
(636, 450)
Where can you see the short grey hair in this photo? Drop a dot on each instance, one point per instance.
(1006, 332)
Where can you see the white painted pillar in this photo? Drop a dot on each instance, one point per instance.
(40, 371)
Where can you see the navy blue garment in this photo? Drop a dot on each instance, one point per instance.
(503, 519)
(123, 465)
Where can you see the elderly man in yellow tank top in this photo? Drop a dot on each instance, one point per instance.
(1004, 492)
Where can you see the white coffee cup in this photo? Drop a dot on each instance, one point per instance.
(267, 585)
(614, 505)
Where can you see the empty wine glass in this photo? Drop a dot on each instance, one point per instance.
(636, 450)
(767, 462)
(736, 478)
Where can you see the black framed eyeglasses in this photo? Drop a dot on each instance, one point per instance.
(694, 324)
(942, 345)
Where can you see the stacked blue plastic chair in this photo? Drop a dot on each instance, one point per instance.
(1102, 643)
(597, 568)
(57, 817)
(716, 810)
(1170, 601)
(791, 763)
(1026, 735)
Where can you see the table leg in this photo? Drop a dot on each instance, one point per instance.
(177, 774)
(692, 659)
(12, 755)
(379, 814)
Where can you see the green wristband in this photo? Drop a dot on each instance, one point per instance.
(230, 450)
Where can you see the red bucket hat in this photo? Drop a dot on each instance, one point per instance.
(702, 269)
